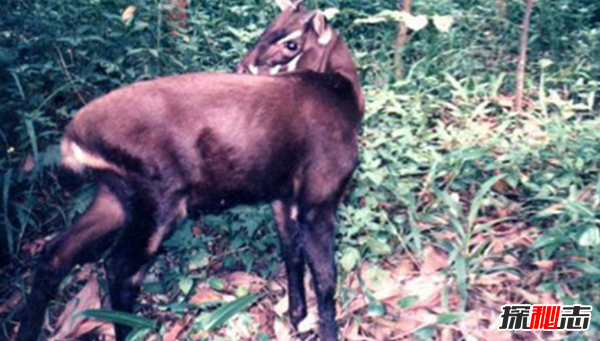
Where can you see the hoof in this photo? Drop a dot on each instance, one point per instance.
(296, 316)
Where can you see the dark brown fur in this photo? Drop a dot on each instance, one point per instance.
(212, 141)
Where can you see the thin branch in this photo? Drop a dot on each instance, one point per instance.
(501, 8)
(522, 61)
(401, 38)
(68, 74)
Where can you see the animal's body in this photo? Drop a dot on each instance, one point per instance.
(213, 141)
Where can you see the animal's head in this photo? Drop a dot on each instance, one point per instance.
(300, 40)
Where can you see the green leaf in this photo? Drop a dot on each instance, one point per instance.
(448, 318)
(376, 309)
(185, 285)
(408, 301)
(350, 258)
(138, 335)
(424, 334)
(378, 247)
(216, 283)
(212, 320)
(590, 237)
(119, 317)
(478, 200)
(586, 267)
(8, 228)
(198, 261)
(544, 63)
(546, 240)
(461, 279)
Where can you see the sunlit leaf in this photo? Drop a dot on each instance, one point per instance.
(443, 22)
(330, 13)
(185, 285)
(350, 258)
(128, 14)
(415, 23)
(590, 237)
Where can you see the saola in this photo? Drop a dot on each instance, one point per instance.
(285, 135)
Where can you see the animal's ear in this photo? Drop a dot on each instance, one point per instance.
(321, 28)
(285, 4)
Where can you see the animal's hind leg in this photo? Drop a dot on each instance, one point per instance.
(84, 241)
(151, 221)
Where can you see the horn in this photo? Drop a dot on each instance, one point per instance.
(296, 5)
(309, 16)
(284, 4)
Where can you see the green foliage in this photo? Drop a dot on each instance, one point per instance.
(440, 150)
(221, 315)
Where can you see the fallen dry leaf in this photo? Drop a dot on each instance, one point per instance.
(545, 264)
(174, 332)
(434, 260)
(427, 289)
(205, 294)
(245, 280)
(72, 327)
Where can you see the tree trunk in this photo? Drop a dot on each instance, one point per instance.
(518, 107)
(400, 40)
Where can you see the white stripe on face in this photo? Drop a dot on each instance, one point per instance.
(274, 70)
(291, 66)
(253, 69)
(291, 36)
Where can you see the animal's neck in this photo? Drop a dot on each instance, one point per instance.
(338, 60)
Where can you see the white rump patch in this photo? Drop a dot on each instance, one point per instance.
(291, 36)
(76, 158)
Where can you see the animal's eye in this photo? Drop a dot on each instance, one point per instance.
(292, 46)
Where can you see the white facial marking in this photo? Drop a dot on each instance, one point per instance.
(274, 70)
(291, 36)
(294, 212)
(325, 38)
(253, 69)
(291, 66)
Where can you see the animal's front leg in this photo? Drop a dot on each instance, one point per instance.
(318, 233)
(291, 251)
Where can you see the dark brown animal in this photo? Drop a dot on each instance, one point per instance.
(213, 141)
